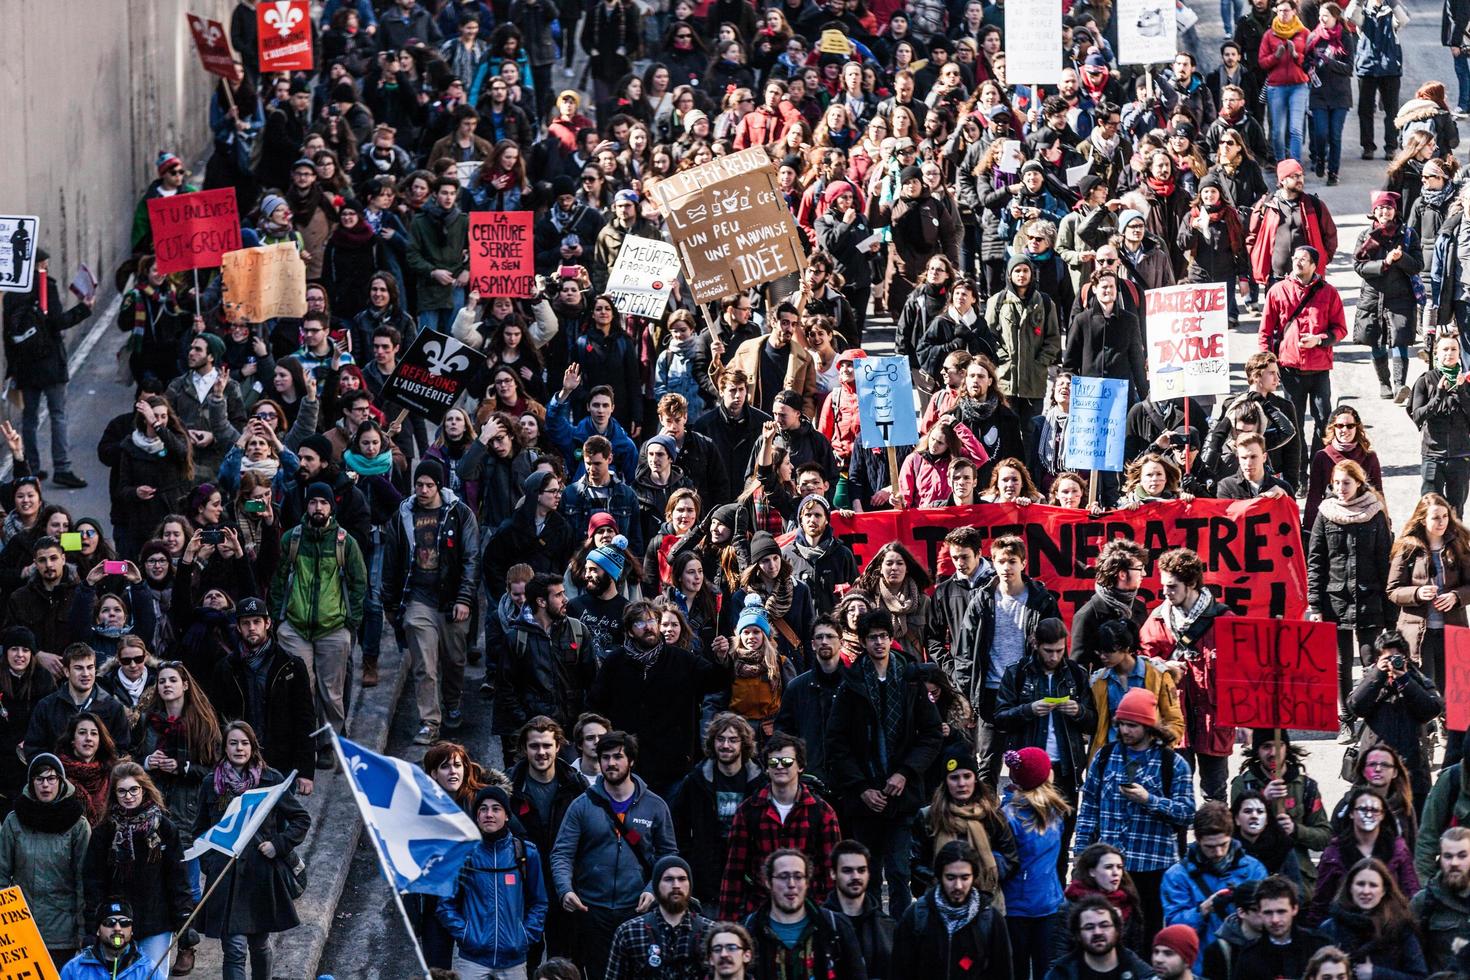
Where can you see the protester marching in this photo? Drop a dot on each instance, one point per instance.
(534, 356)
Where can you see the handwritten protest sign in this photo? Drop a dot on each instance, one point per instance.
(22, 951)
(263, 282)
(1188, 353)
(643, 276)
(17, 251)
(284, 28)
(1099, 415)
(1033, 42)
(193, 231)
(212, 42)
(1456, 678)
(502, 254)
(731, 224)
(885, 393)
(1275, 673)
(1147, 31)
(432, 374)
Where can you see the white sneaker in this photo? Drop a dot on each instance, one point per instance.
(1460, 114)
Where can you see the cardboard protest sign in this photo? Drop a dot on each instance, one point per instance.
(263, 282)
(1275, 673)
(194, 231)
(1251, 548)
(432, 374)
(1188, 351)
(502, 253)
(731, 225)
(212, 42)
(885, 393)
(22, 952)
(1098, 424)
(1147, 32)
(17, 251)
(1033, 42)
(1456, 678)
(284, 29)
(643, 276)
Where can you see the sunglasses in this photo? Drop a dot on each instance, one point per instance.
(130, 661)
(176, 171)
(781, 762)
(118, 922)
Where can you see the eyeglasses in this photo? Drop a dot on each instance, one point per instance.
(1036, 238)
(87, 533)
(118, 922)
(156, 560)
(781, 762)
(690, 37)
(1389, 766)
(727, 948)
(1105, 261)
(130, 661)
(1229, 143)
(129, 791)
(47, 777)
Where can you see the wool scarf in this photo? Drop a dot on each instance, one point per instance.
(1287, 29)
(968, 825)
(130, 829)
(900, 605)
(956, 917)
(230, 782)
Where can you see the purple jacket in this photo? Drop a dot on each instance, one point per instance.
(1339, 856)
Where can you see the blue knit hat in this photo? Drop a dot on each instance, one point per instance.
(1128, 217)
(610, 557)
(269, 204)
(753, 614)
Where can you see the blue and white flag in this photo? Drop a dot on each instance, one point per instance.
(422, 833)
(242, 819)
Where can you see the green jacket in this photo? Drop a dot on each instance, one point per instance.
(437, 240)
(1448, 805)
(1312, 820)
(1030, 340)
(47, 864)
(311, 593)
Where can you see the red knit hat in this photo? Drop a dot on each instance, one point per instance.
(1181, 938)
(601, 519)
(1029, 767)
(1140, 706)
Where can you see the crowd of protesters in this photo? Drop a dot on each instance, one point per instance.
(730, 747)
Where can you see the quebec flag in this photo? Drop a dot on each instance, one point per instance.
(421, 832)
(242, 819)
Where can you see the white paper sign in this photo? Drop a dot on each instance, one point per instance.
(1033, 42)
(17, 252)
(643, 276)
(1188, 350)
(1147, 32)
(1074, 174)
(1010, 157)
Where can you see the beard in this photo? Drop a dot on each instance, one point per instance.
(674, 904)
(318, 520)
(1456, 880)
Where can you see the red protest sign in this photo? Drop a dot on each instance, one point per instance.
(212, 42)
(193, 231)
(284, 28)
(1276, 673)
(1252, 554)
(502, 256)
(1456, 678)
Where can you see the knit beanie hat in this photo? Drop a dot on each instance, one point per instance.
(610, 557)
(493, 792)
(43, 762)
(431, 468)
(959, 758)
(600, 520)
(1030, 767)
(1140, 706)
(167, 161)
(763, 545)
(320, 445)
(753, 614)
(1031, 165)
(320, 491)
(665, 863)
(1181, 938)
(910, 173)
(1128, 217)
(835, 190)
(667, 441)
(1260, 736)
(215, 344)
(17, 636)
(269, 203)
(725, 515)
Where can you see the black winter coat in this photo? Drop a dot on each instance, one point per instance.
(822, 568)
(853, 733)
(1397, 712)
(1387, 311)
(543, 674)
(947, 612)
(46, 612)
(925, 303)
(840, 238)
(350, 507)
(924, 947)
(703, 835)
(733, 440)
(976, 634)
(288, 709)
(1025, 683)
(1347, 570)
(347, 267)
(516, 540)
(254, 896)
(35, 350)
(945, 335)
(1216, 255)
(1107, 345)
(53, 712)
(165, 474)
(1086, 621)
(156, 885)
(875, 931)
(806, 712)
(1442, 415)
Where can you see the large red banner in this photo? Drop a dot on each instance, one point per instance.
(284, 29)
(194, 231)
(213, 44)
(1273, 673)
(1456, 678)
(1251, 548)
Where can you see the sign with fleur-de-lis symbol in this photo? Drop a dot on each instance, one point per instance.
(213, 45)
(283, 15)
(431, 375)
(284, 28)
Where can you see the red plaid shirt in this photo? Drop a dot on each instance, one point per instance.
(757, 831)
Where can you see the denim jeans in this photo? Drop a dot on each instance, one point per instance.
(151, 949)
(1287, 105)
(442, 320)
(1462, 76)
(1230, 12)
(55, 396)
(1327, 137)
(372, 603)
(1450, 478)
(234, 947)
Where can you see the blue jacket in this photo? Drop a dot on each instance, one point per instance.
(580, 501)
(1187, 884)
(1034, 889)
(569, 438)
(499, 906)
(86, 966)
(1379, 52)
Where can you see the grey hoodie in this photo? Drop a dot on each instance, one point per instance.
(593, 860)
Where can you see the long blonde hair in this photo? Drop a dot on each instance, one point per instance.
(1039, 807)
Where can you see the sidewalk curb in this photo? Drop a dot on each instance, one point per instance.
(335, 831)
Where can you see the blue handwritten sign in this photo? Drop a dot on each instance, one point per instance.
(885, 392)
(1096, 423)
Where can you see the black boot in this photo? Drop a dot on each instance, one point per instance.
(1380, 366)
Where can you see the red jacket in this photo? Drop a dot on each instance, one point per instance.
(1323, 316)
(1197, 692)
(1266, 218)
(765, 125)
(1283, 67)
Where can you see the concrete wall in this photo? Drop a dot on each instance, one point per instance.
(92, 91)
